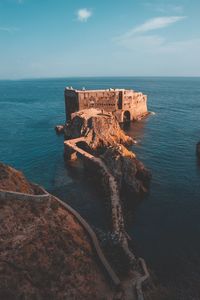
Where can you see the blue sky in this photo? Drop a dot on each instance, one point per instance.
(61, 38)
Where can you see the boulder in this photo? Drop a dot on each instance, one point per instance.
(59, 129)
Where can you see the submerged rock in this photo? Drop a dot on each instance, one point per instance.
(129, 172)
(101, 129)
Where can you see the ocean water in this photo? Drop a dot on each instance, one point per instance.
(166, 224)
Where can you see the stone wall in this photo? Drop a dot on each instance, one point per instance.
(116, 101)
(106, 100)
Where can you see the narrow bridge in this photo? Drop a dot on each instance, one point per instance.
(118, 227)
(117, 215)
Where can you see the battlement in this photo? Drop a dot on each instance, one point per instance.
(94, 91)
(126, 105)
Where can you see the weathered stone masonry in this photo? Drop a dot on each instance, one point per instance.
(126, 105)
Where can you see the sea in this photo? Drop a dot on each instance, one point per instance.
(165, 225)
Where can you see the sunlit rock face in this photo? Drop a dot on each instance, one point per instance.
(104, 136)
(100, 129)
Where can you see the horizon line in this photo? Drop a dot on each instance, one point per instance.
(99, 76)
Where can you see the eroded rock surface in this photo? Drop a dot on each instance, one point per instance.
(102, 132)
(99, 128)
(129, 172)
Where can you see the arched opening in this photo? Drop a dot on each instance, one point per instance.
(127, 116)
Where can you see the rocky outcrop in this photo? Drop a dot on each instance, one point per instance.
(103, 135)
(13, 180)
(99, 128)
(198, 149)
(130, 173)
(44, 252)
(59, 129)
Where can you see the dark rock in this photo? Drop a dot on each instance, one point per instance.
(129, 172)
(198, 149)
(59, 129)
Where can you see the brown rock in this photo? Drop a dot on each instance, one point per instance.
(129, 172)
(13, 180)
(198, 150)
(101, 129)
(59, 129)
(44, 252)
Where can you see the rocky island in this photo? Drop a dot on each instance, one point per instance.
(48, 251)
(94, 135)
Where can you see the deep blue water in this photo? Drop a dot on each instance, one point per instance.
(166, 224)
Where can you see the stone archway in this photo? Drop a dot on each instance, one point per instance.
(126, 116)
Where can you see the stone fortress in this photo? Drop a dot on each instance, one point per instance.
(126, 105)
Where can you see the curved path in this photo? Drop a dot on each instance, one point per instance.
(7, 195)
(118, 227)
(117, 215)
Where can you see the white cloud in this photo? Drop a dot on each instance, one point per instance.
(139, 34)
(140, 39)
(84, 14)
(153, 24)
(157, 23)
(9, 29)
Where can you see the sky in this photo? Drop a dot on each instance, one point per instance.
(69, 38)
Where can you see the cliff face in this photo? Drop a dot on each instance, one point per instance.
(100, 129)
(129, 172)
(44, 252)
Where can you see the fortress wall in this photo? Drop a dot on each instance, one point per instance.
(141, 109)
(106, 100)
(138, 107)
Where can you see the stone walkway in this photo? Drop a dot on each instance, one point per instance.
(118, 228)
